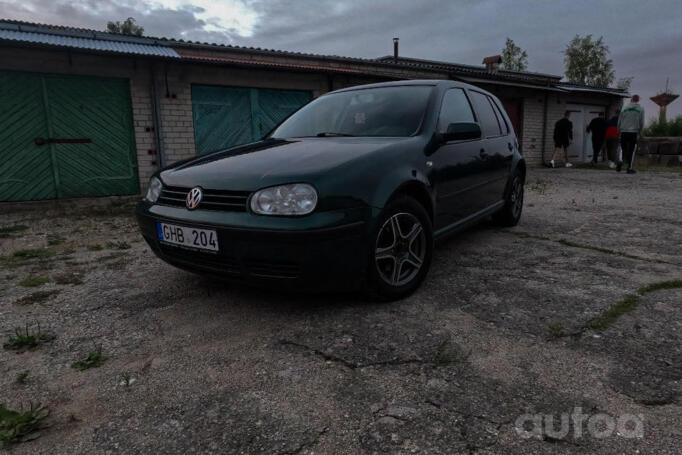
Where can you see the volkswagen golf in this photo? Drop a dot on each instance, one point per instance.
(350, 191)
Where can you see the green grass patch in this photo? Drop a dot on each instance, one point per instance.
(17, 426)
(22, 378)
(603, 250)
(33, 253)
(95, 247)
(55, 239)
(629, 303)
(118, 245)
(34, 281)
(26, 339)
(661, 285)
(555, 331)
(527, 235)
(7, 231)
(37, 297)
(94, 359)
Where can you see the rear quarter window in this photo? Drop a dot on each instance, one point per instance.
(486, 115)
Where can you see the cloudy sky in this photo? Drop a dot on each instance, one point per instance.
(645, 37)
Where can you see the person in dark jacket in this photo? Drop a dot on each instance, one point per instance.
(598, 129)
(612, 141)
(563, 135)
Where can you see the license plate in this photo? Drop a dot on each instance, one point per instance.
(189, 237)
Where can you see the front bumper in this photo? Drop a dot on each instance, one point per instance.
(322, 251)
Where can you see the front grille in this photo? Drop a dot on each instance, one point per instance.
(223, 200)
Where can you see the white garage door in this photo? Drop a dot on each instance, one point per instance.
(581, 116)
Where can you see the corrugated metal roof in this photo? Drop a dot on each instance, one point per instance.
(85, 40)
(479, 71)
(589, 89)
(163, 41)
(190, 54)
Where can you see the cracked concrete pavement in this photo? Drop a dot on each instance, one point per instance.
(226, 369)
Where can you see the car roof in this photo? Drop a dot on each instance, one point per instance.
(433, 82)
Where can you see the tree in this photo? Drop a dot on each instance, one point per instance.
(127, 27)
(624, 83)
(513, 57)
(587, 62)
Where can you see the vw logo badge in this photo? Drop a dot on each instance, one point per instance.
(193, 198)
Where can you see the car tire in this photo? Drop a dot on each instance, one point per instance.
(401, 248)
(510, 214)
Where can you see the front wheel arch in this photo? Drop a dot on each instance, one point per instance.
(419, 192)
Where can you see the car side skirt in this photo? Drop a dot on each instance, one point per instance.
(443, 232)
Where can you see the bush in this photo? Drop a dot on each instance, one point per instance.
(668, 129)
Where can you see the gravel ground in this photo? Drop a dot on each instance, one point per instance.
(496, 340)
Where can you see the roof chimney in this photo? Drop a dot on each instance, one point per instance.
(395, 49)
(492, 63)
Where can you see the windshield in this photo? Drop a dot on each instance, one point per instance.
(382, 111)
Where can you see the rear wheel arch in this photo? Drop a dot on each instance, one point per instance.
(521, 168)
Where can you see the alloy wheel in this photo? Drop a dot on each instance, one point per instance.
(400, 249)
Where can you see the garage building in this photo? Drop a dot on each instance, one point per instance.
(87, 113)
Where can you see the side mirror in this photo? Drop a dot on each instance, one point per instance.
(462, 131)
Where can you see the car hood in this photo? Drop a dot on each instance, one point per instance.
(273, 162)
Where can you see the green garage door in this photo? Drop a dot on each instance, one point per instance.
(229, 116)
(63, 137)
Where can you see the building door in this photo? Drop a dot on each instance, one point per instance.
(64, 137)
(514, 109)
(581, 116)
(229, 116)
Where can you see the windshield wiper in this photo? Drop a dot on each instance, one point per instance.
(333, 134)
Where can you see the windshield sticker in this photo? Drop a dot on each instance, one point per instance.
(360, 118)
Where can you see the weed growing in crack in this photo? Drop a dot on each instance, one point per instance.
(26, 339)
(555, 331)
(22, 378)
(118, 245)
(7, 231)
(37, 297)
(32, 281)
(33, 253)
(628, 303)
(17, 426)
(55, 239)
(94, 359)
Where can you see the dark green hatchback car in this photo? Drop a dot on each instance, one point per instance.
(350, 191)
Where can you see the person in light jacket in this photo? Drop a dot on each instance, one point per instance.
(630, 125)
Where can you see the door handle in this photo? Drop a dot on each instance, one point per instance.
(54, 140)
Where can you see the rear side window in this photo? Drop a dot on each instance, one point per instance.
(455, 109)
(500, 117)
(486, 115)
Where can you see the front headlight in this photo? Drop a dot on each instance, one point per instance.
(154, 189)
(293, 199)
